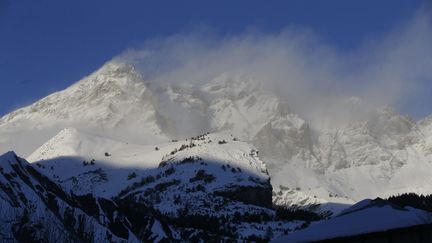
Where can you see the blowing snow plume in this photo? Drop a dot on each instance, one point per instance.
(312, 75)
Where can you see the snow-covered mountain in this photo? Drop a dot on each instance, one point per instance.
(372, 152)
(113, 101)
(210, 187)
(112, 129)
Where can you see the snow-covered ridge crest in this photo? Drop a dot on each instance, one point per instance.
(63, 156)
(219, 148)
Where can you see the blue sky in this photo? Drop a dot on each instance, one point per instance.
(47, 45)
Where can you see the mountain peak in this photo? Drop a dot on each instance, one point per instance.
(117, 68)
(8, 155)
(112, 72)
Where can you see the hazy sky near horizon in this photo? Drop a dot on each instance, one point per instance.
(47, 45)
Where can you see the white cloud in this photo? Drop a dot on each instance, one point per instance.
(391, 69)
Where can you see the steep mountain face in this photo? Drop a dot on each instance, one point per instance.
(367, 142)
(373, 151)
(239, 105)
(112, 101)
(106, 98)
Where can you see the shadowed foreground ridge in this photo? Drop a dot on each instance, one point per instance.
(418, 234)
(183, 199)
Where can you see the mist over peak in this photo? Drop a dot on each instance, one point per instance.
(391, 69)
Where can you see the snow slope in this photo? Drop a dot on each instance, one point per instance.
(366, 216)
